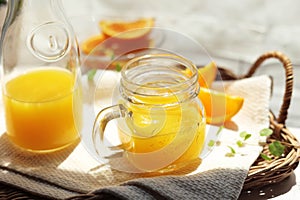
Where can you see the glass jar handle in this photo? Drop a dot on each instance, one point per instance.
(103, 117)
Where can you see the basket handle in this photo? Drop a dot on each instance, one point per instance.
(288, 80)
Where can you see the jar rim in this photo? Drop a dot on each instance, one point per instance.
(193, 77)
(181, 84)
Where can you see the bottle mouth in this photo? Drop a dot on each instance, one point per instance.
(159, 76)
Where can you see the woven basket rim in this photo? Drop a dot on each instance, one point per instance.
(263, 172)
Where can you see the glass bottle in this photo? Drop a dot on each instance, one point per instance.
(40, 76)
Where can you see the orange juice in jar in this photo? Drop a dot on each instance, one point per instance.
(160, 121)
(43, 109)
(161, 132)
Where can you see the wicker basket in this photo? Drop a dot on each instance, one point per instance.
(262, 172)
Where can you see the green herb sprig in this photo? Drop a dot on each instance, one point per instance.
(244, 136)
(212, 143)
(231, 153)
(276, 148)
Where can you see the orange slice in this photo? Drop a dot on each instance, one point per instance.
(207, 74)
(129, 29)
(89, 44)
(219, 107)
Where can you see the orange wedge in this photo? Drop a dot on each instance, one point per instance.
(219, 107)
(129, 29)
(89, 44)
(207, 74)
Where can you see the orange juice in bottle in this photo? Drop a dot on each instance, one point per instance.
(40, 76)
(43, 109)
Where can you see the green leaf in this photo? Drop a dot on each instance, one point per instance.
(243, 134)
(231, 153)
(219, 130)
(247, 136)
(211, 143)
(91, 74)
(231, 150)
(118, 67)
(266, 132)
(240, 143)
(276, 148)
(264, 156)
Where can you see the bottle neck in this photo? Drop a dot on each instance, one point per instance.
(36, 32)
(38, 10)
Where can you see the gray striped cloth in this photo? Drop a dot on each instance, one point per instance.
(225, 184)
